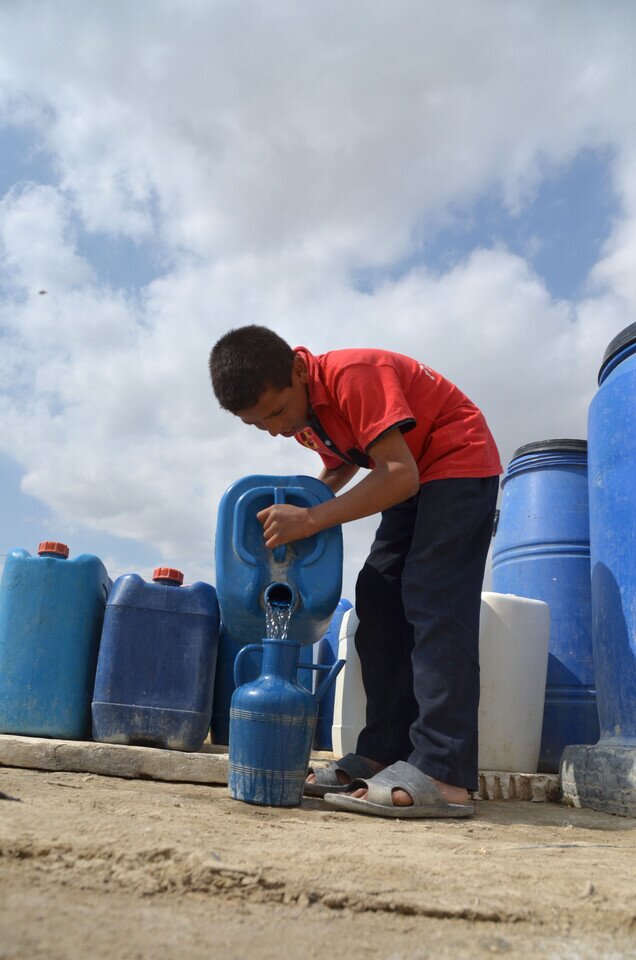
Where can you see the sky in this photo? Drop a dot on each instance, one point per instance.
(454, 181)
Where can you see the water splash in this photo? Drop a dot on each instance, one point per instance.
(277, 617)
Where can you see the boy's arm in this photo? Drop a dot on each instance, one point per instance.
(394, 478)
(340, 477)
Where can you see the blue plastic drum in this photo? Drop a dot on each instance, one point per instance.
(542, 551)
(612, 463)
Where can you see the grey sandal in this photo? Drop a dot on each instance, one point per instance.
(326, 777)
(427, 799)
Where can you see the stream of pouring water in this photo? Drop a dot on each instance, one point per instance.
(277, 617)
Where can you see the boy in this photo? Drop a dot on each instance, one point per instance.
(433, 475)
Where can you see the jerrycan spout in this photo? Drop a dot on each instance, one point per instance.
(278, 600)
(279, 595)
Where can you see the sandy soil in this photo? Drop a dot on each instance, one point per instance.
(127, 870)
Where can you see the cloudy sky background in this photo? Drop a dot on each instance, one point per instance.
(456, 181)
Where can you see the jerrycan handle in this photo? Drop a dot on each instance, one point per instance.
(279, 552)
(238, 682)
(329, 679)
(242, 516)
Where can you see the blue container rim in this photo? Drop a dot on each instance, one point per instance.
(621, 347)
(550, 446)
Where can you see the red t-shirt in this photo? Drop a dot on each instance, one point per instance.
(356, 396)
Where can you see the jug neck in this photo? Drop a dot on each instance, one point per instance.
(280, 657)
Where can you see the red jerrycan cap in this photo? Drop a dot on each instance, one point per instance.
(52, 546)
(168, 574)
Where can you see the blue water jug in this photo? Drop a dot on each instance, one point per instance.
(612, 451)
(245, 568)
(155, 673)
(51, 613)
(272, 725)
(224, 685)
(542, 551)
(326, 655)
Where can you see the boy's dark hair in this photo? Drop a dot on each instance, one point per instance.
(245, 362)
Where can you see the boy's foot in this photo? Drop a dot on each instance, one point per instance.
(401, 790)
(337, 775)
(402, 799)
(344, 778)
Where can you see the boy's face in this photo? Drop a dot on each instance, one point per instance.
(282, 412)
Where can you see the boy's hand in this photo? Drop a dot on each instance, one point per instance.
(284, 523)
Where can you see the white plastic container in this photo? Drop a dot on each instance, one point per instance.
(513, 656)
(514, 634)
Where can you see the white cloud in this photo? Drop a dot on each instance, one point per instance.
(268, 150)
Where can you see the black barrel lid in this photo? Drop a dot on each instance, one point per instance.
(551, 446)
(620, 341)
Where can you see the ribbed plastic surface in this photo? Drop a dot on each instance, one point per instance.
(542, 551)
(612, 466)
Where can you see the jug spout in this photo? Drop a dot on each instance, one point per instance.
(329, 679)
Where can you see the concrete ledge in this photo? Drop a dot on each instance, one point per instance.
(534, 787)
(113, 760)
(209, 765)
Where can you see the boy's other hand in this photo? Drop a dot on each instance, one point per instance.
(284, 523)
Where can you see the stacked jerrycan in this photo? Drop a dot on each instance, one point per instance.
(542, 551)
(51, 613)
(273, 718)
(326, 655)
(155, 673)
(603, 776)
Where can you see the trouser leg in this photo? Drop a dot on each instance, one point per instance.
(384, 640)
(441, 593)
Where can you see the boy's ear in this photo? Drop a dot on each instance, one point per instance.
(300, 368)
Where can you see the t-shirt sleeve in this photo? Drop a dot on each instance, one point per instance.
(372, 401)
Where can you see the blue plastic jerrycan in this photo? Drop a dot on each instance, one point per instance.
(155, 674)
(246, 568)
(272, 725)
(51, 613)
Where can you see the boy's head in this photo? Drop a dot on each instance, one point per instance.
(257, 376)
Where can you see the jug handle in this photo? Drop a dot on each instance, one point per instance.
(334, 670)
(239, 656)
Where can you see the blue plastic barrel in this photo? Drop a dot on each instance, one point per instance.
(51, 613)
(326, 654)
(155, 673)
(246, 568)
(224, 685)
(612, 463)
(542, 551)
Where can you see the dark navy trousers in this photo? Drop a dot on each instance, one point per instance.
(418, 600)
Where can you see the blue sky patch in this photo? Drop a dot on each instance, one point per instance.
(118, 261)
(23, 159)
(560, 231)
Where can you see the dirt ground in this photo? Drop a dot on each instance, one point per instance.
(100, 867)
